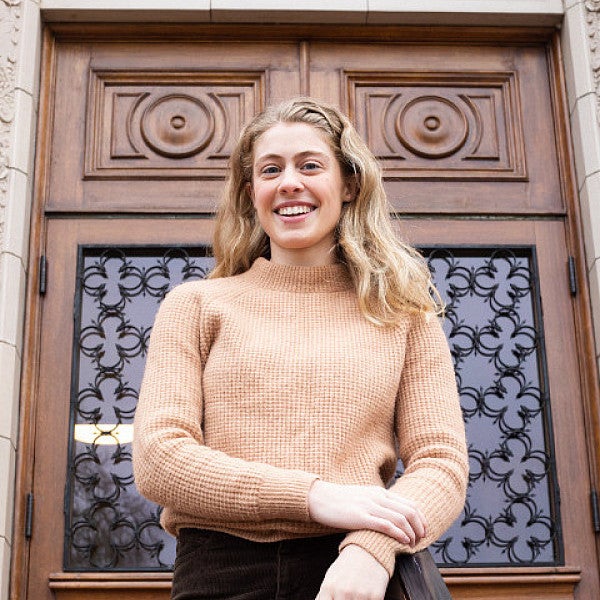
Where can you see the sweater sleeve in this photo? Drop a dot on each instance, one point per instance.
(172, 466)
(431, 441)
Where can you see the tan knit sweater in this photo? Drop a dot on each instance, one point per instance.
(258, 384)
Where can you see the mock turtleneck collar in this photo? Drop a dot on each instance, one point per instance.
(328, 278)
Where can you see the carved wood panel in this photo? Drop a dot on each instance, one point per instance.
(441, 125)
(149, 126)
(458, 128)
(176, 125)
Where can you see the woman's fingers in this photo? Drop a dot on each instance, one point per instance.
(401, 523)
(367, 507)
(389, 528)
(405, 512)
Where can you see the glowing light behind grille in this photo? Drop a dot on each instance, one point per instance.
(103, 434)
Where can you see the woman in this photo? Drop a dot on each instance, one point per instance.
(278, 393)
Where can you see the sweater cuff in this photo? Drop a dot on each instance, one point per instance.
(286, 498)
(380, 546)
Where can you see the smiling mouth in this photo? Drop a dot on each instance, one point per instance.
(290, 211)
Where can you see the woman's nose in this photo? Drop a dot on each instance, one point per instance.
(290, 182)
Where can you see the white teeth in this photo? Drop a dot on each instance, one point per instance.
(294, 210)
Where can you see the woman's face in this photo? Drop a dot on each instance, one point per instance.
(297, 190)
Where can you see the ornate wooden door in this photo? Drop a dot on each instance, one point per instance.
(471, 134)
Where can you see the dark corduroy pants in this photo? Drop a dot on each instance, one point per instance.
(211, 565)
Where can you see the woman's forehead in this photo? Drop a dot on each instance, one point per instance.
(291, 139)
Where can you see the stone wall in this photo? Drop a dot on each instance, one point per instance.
(19, 55)
(581, 48)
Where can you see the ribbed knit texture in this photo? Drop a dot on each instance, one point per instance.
(258, 384)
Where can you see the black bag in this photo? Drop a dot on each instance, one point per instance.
(416, 577)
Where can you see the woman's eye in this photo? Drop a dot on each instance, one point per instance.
(269, 170)
(311, 166)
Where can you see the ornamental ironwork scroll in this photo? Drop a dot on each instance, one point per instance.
(109, 525)
(495, 331)
(494, 327)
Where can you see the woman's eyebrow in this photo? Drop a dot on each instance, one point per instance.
(303, 154)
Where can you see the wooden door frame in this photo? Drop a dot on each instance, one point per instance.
(584, 326)
(99, 32)
(555, 582)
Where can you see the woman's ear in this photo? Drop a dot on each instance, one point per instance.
(351, 187)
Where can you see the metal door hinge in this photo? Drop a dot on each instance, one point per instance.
(595, 511)
(572, 276)
(43, 274)
(29, 515)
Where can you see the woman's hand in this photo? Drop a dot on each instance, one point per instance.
(354, 574)
(366, 507)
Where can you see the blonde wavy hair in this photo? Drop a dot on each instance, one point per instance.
(390, 277)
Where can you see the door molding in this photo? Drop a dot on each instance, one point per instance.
(520, 12)
(525, 584)
(583, 323)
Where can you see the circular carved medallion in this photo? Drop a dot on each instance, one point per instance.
(432, 127)
(177, 126)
